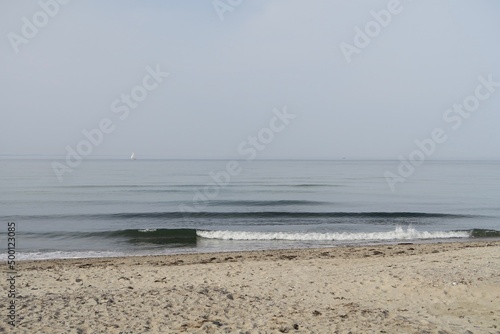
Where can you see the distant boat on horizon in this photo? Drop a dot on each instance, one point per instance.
(132, 157)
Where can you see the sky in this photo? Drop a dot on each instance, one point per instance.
(357, 79)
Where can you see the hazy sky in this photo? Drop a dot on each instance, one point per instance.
(227, 76)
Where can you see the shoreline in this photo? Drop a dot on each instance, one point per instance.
(452, 287)
(290, 249)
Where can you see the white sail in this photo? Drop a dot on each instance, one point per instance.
(132, 157)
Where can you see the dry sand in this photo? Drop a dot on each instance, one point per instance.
(413, 288)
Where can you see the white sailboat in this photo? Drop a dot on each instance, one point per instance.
(132, 157)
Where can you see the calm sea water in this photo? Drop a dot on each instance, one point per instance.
(122, 207)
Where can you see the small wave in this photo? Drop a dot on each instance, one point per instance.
(482, 233)
(21, 256)
(398, 234)
(257, 203)
(167, 237)
(251, 214)
(313, 185)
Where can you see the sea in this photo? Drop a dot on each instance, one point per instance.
(107, 208)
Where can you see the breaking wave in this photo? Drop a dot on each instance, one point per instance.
(399, 233)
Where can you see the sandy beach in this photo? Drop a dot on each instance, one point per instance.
(406, 288)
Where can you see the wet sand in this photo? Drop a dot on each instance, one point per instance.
(405, 288)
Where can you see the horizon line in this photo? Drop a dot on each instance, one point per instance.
(149, 158)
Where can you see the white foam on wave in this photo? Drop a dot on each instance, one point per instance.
(148, 230)
(399, 233)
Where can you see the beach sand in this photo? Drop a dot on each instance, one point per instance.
(407, 288)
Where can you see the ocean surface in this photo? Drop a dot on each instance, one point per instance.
(125, 207)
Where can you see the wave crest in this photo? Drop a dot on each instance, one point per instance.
(399, 233)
